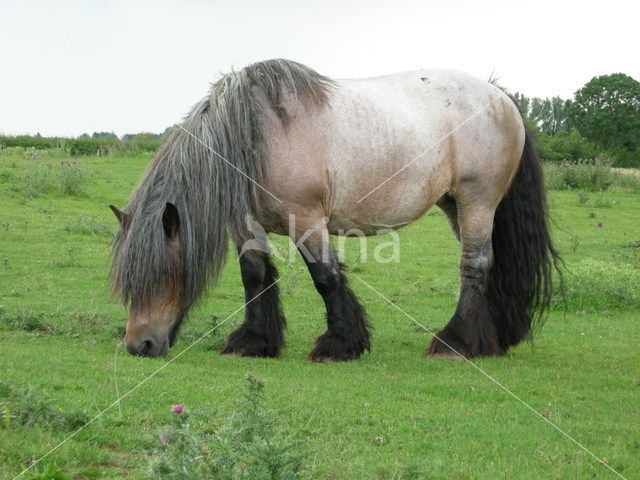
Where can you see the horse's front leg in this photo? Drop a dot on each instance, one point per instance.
(347, 335)
(261, 333)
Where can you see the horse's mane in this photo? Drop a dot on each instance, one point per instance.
(210, 169)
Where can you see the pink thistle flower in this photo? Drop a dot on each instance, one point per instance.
(178, 409)
(599, 224)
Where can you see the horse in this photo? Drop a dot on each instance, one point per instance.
(276, 140)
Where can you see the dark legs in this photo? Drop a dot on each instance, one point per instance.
(347, 335)
(471, 331)
(260, 335)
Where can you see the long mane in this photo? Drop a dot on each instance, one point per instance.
(210, 169)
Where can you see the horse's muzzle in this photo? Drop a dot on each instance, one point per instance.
(148, 347)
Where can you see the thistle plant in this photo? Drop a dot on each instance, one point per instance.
(248, 445)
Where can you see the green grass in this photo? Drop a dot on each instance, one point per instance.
(394, 414)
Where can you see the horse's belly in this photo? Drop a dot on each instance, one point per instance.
(386, 178)
(390, 156)
(376, 212)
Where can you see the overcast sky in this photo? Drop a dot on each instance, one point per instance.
(75, 66)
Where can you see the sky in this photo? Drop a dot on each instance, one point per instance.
(73, 66)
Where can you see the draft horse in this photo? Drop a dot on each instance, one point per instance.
(276, 140)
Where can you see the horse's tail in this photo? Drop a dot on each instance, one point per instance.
(520, 281)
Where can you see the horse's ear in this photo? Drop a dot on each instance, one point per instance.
(120, 215)
(170, 220)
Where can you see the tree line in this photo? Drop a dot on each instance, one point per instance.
(601, 120)
(97, 143)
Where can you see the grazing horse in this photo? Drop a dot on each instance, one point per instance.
(275, 141)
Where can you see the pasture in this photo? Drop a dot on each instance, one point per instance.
(394, 414)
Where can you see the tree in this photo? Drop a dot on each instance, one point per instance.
(549, 114)
(168, 131)
(109, 135)
(523, 102)
(607, 111)
(556, 120)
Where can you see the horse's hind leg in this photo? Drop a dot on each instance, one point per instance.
(260, 335)
(347, 335)
(471, 331)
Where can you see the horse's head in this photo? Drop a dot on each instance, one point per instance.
(147, 273)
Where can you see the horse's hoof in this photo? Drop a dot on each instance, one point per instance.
(446, 346)
(246, 344)
(447, 356)
(333, 349)
(321, 358)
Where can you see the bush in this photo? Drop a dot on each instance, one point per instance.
(571, 147)
(583, 198)
(247, 446)
(590, 175)
(73, 179)
(628, 179)
(564, 146)
(82, 146)
(624, 158)
(38, 178)
(68, 178)
(27, 141)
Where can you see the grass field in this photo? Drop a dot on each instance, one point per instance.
(394, 414)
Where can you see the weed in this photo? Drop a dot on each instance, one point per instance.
(602, 202)
(26, 321)
(68, 178)
(6, 176)
(69, 260)
(73, 179)
(575, 242)
(583, 198)
(592, 282)
(591, 175)
(30, 406)
(214, 339)
(87, 226)
(629, 179)
(248, 446)
(38, 178)
(48, 473)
